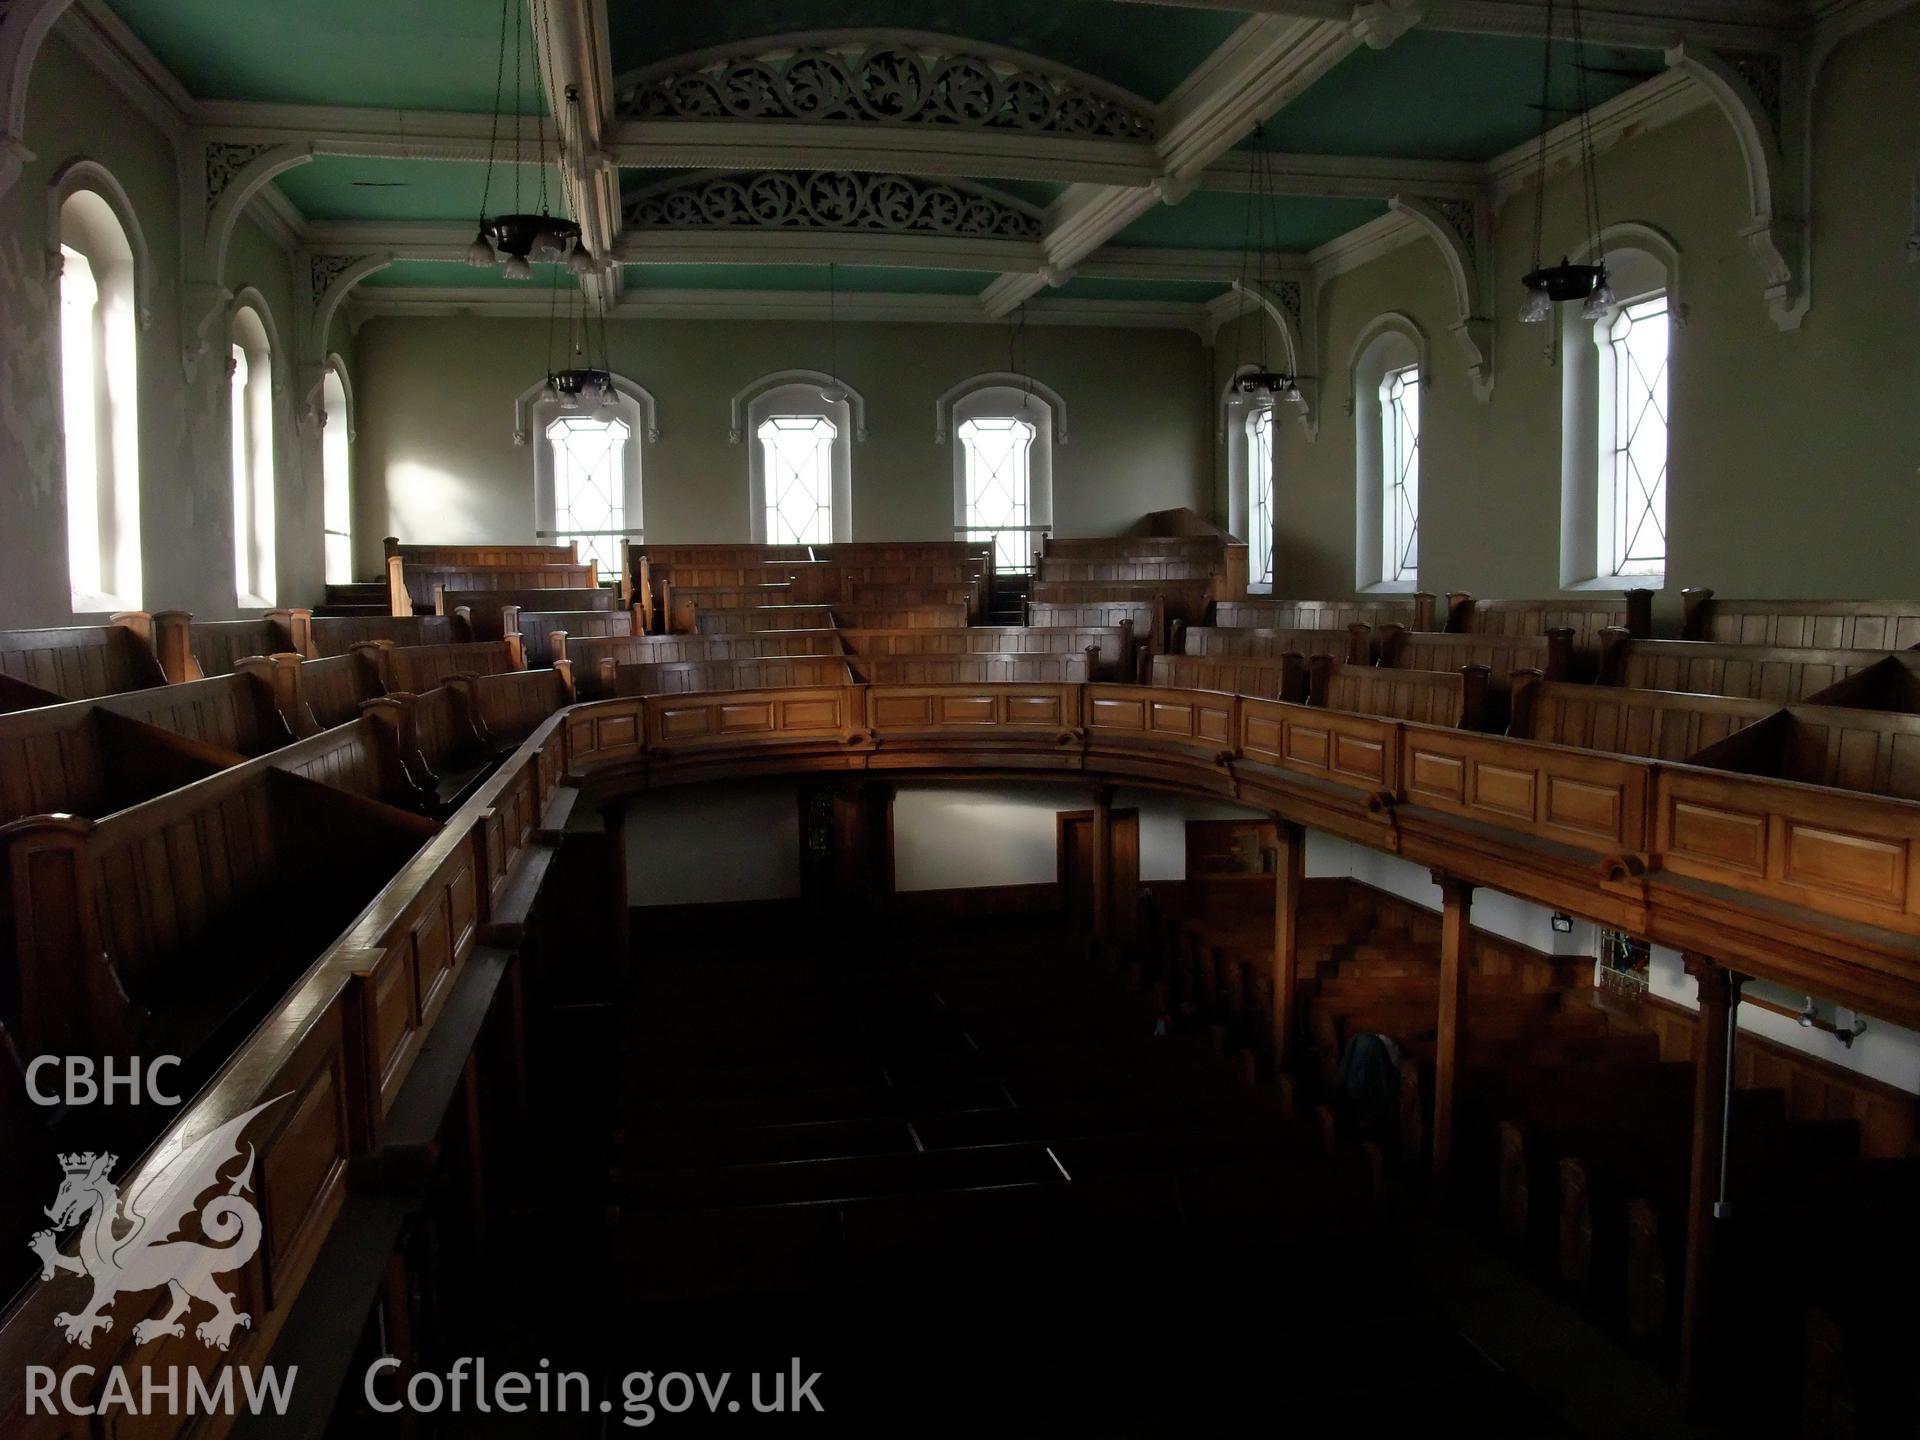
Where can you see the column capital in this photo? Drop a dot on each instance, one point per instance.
(1718, 985)
(1453, 889)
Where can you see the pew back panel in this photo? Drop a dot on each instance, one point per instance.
(698, 676)
(1115, 643)
(1183, 600)
(972, 669)
(1653, 724)
(1455, 698)
(1587, 617)
(1781, 675)
(760, 618)
(1804, 624)
(83, 662)
(1276, 679)
(419, 668)
(338, 634)
(1148, 618)
(1350, 646)
(899, 617)
(1414, 613)
(536, 626)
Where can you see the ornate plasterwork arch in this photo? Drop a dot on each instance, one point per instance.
(641, 396)
(1459, 228)
(23, 27)
(831, 200)
(1393, 322)
(884, 77)
(334, 364)
(737, 408)
(249, 298)
(230, 176)
(330, 278)
(90, 175)
(943, 407)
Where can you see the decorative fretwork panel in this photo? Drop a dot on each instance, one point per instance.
(831, 200)
(890, 83)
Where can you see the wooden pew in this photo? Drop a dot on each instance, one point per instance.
(1280, 678)
(1126, 568)
(762, 618)
(510, 706)
(1352, 646)
(1114, 643)
(1502, 656)
(1783, 675)
(899, 617)
(78, 662)
(1193, 548)
(445, 751)
(338, 634)
(1586, 616)
(1653, 724)
(82, 759)
(418, 668)
(1806, 624)
(698, 676)
(1457, 699)
(1416, 612)
(1183, 600)
(166, 929)
(972, 669)
(1872, 751)
(862, 595)
(481, 556)
(410, 588)
(1146, 618)
(239, 713)
(483, 614)
(537, 627)
(192, 649)
(683, 606)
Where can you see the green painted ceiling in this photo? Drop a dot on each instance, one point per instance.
(338, 187)
(1438, 96)
(1148, 49)
(852, 279)
(416, 54)
(1215, 220)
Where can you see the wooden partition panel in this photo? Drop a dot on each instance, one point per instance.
(489, 614)
(1550, 654)
(1277, 679)
(1590, 802)
(418, 668)
(338, 634)
(1351, 646)
(706, 721)
(1114, 643)
(1429, 697)
(1146, 618)
(1653, 724)
(1587, 617)
(1813, 624)
(971, 669)
(1783, 676)
(1413, 613)
(1130, 716)
(690, 677)
(83, 662)
(217, 647)
(1127, 568)
(899, 617)
(412, 587)
(1184, 600)
(483, 556)
(900, 709)
(537, 626)
(764, 617)
(1355, 751)
(685, 605)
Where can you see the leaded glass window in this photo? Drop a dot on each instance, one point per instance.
(1260, 496)
(589, 485)
(1400, 475)
(997, 449)
(798, 497)
(1639, 339)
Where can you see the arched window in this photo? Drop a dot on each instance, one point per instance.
(100, 413)
(336, 438)
(799, 436)
(250, 411)
(1004, 428)
(1386, 376)
(1615, 381)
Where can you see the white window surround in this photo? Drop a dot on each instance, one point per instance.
(253, 420)
(1236, 412)
(799, 392)
(1642, 261)
(101, 309)
(1003, 393)
(633, 406)
(1390, 343)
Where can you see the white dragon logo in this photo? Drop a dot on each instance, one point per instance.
(143, 1256)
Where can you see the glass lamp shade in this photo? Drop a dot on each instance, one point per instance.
(1550, 285)
(1538, 306)
(580, 261)
(1269, 383)
(834, 394)
(1601, 301)
(480, 253)
(517, 268)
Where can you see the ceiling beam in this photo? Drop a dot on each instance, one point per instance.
(1654, 24)
(1139, 262)
(1264, 64)
(570, 38)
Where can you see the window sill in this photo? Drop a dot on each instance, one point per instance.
(1391, 587)
(1614, 584)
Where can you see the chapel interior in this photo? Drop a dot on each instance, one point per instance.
(1096, 717)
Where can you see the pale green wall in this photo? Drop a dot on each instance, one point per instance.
(1795, 457)
(438, 461)
(186, 509)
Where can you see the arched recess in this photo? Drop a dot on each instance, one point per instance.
(231, 176)
(337, 366)
(943, 407)
(257, 508)
(1630, 235)
(738, 407)
(1393, 322)
(92, 176)
(24, 25)
(633, 390)
(332, 278)
(1458, 228)
(1769, 132)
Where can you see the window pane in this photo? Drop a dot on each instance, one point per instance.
(1260, 496)
(335, 471)
(798, 450)
(590, 486)
(1400, 475)
(997, 449)
(242, 477)
(80, 416)
(1639, 339)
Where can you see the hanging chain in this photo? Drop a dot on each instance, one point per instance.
(493, 130)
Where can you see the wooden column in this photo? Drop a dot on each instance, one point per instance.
(1102, 863)
(1712, 1055)
(1289, 878)
(1455, 932)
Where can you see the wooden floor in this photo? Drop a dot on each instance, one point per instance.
(964, 1181)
